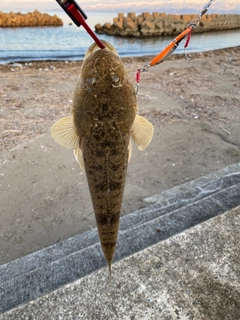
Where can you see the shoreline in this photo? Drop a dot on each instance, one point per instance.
(175, 56)
(52, 50)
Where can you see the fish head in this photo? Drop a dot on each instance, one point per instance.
(102, 68)
(94, 47)
(104, 91)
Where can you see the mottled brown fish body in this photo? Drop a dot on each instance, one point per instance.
(104, 109)
(106, 175)
(98, 131)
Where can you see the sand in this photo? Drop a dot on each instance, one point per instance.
(194, 106)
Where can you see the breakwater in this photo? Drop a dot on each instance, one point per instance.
(30, 19)
(161, 24)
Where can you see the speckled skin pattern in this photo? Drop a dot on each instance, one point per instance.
(104, 109)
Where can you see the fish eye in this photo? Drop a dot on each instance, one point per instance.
(91, 80)
(115, 78)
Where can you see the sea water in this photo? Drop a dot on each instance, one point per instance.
(70, 42)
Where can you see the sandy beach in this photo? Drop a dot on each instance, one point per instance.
(193, 105)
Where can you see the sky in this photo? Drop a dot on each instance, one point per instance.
(168, 6)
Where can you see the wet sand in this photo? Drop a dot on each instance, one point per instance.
(194, 106)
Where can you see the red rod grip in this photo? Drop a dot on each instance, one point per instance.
(71, 8)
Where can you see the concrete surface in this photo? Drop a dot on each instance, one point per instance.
(175, 210)
(192, 275)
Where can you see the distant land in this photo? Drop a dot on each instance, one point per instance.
(30, 19)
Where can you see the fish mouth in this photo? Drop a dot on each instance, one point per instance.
(94, 47)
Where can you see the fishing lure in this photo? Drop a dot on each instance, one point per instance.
(166, 52)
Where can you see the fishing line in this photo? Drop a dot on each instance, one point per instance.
(166, 52)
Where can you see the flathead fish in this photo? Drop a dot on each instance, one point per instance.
(104, 117)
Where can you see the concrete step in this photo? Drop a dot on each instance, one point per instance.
(191, 275)
(175, 210)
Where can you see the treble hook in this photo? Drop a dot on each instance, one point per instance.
(186, 55)
(138, 76)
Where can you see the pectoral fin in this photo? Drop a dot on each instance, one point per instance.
(79, 157)
(64, 133)
(129, 150)
(141, 132)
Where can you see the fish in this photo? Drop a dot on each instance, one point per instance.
(104, 119)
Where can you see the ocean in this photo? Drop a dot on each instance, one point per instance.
(70, 42)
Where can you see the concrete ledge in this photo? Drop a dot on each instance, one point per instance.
(176, 210)
(192, 275)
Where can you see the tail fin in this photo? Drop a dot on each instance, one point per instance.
(110, 269)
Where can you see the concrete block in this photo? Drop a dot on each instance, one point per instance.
(159, 24)
(147, 25)
(146, 15)
(135, 34)
(118, 23)
(98, 26)
(120, 15)
(174, 17)
(107, 25)
(131, 25)
(131, 15)
(122, 33)
(126, 20)
(139, 20)
(162, 15)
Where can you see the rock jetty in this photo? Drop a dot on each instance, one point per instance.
(161, 24)
(30, 19)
